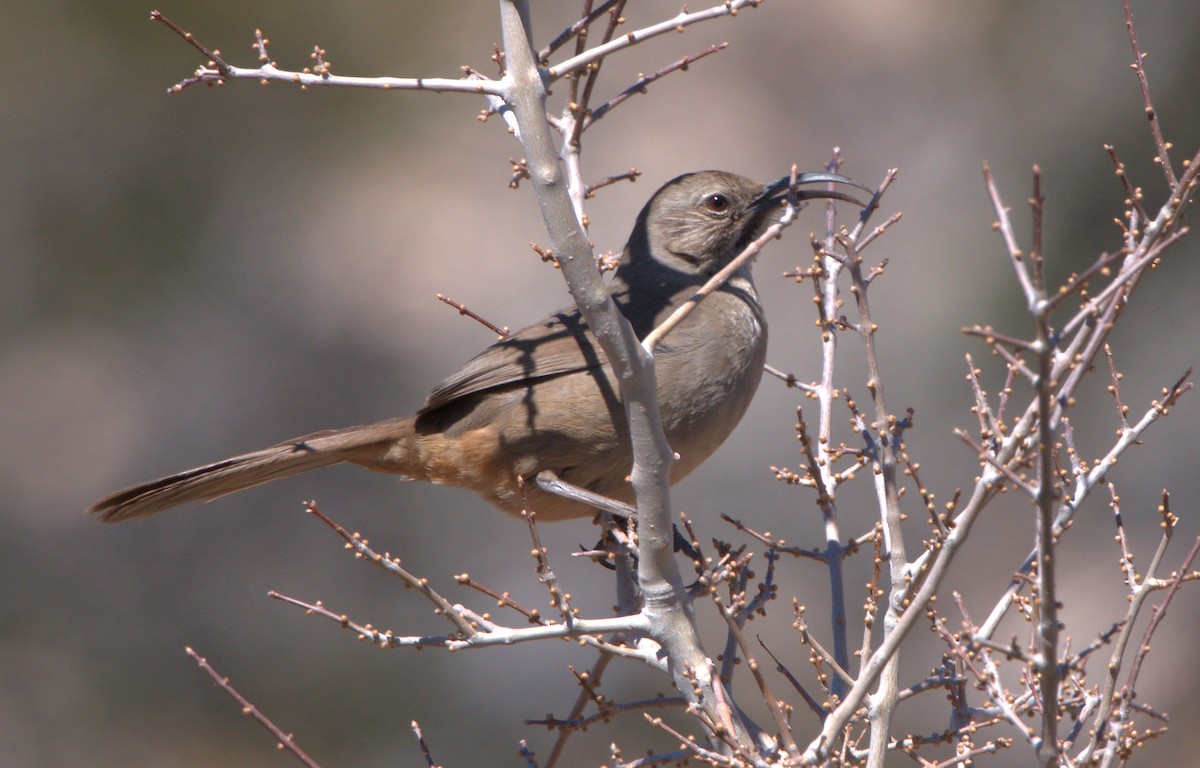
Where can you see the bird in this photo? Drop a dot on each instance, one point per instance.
(544, 401)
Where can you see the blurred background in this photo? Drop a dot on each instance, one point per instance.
(185, 277)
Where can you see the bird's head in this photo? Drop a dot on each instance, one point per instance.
(697, 223)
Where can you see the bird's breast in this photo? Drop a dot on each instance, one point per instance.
(708, 370)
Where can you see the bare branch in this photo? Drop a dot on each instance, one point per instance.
(665, 613)
(487, 633)
(218, 71)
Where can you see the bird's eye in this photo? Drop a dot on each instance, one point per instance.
(716, 202)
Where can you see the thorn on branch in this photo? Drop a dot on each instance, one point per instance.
(546, 254)
(1172, 395)
(498, 57)
(608, 261)
(520, 170)
(260, 47)
(320, 65)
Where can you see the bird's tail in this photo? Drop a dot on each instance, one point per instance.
(364, 444)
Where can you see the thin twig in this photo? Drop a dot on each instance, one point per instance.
(674, 24)
(1004, 225)
(651, 340)
(501, 333)
(773, 706)
(1139, 69)
(286, 741)
(789, 379)
(1134, 194)
(416, 729)
(580, 26)
(631, 176)
(389, 564)
(640, 85)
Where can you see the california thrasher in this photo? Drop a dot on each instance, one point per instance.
(545, 398)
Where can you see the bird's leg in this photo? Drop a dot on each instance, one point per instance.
(548, 481)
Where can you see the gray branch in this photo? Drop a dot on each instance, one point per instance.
(665, 603)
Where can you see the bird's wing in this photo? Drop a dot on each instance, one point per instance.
(560, 344)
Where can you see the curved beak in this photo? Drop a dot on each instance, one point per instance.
(777, 190)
